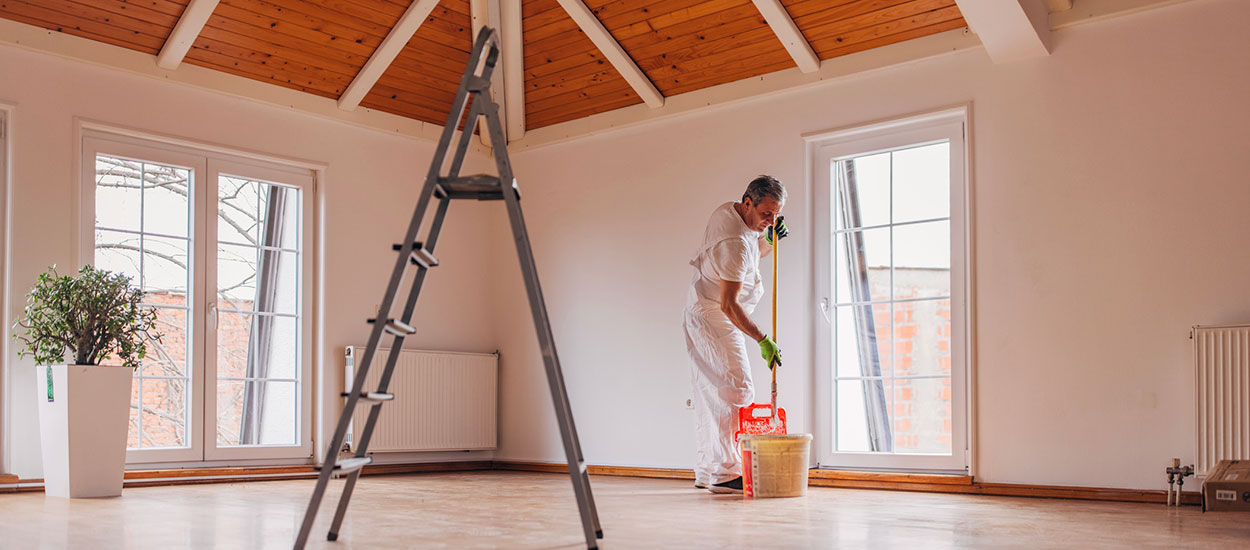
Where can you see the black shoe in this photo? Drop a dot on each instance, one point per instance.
(729, 487)
(700, 485)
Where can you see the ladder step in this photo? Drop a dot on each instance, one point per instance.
(397, 327)
(372, 397)
(482, 187)
(419, 255)
(350, 464)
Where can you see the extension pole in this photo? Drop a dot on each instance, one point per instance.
(776, 249)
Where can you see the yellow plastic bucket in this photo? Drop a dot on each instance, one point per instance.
(775, 465)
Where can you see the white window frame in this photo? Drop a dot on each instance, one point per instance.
(822, 149)
(206, 163)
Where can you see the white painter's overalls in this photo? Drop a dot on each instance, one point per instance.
(720, 372)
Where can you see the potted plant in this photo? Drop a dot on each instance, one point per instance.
(84, 406)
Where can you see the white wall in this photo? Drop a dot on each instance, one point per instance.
(364, 202)
(1110, 203)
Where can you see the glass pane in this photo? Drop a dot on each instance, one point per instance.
(165, 193)
(229, 412)
(133, 435)
(282, 357)
(861, 415)
(240, 268)
(234, 332)
(165, 270)
(922, 260)
(922, 338)
(922, 415)
(238, 218)
(236, 276)
(863, 191)
(279, 212)
(164, 412)
(256, 413)
(169, 356)
(863, 344)
(922, 189)
(119, 253)
(117, 193)
(863, 274)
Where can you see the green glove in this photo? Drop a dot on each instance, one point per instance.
(779, 228)
(770, 351)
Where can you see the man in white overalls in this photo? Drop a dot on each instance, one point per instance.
(723, 293)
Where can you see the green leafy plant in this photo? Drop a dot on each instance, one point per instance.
(93, 317)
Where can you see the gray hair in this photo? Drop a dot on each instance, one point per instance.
(765, 186)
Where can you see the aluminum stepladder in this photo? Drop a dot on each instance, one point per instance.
(474, 85)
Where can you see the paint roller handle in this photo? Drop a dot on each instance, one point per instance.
(779, 228)
(770, 351)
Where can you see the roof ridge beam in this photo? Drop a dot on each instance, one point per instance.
(386, 53)
(1010, 30)
(612, 50)
(789, 35)
(188, 28)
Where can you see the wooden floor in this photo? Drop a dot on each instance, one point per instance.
(516, 510)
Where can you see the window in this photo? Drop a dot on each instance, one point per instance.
(892, 272)
(220, 245)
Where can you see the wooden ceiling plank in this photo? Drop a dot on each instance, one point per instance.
(806, 8)
(230, 46)
(372, 22)
(746, 31)
(71, 10)
(273, 74)
(711, 74)
(570, 84)
(361, 44)
(729, 56)
(887, 39)
(595, 102)
(185, 32)
(386, 52)
(166, 7)
(613, 52)
(861, 11)
(585, 98)
(32, 15)
(1010, 30)
(434, 111)
(556, 65)
(569, 73)
(70, 23)
(836, 42)
(877, 17)
(617, 103)
(282, 41)
(144, 13)
(698, 26)
(789, 34)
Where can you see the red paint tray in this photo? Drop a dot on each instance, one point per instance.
(756, 419)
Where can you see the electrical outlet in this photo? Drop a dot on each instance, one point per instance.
(689, 403)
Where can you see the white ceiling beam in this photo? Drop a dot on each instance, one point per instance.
(194, 16)
(513, 68)
(382, 57)
(788, 33)
(1010, 30)
(616, 55)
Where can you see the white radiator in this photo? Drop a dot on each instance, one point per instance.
(1222, 364)
(444, 401)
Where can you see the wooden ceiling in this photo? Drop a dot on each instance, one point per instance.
(319, 46)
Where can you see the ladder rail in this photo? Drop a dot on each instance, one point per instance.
(551, 360)
(362, 443)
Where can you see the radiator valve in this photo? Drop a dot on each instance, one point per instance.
(1176, 478)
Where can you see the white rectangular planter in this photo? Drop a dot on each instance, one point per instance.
(83, 429)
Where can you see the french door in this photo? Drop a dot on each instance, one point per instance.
(891, 257)
(221, 247)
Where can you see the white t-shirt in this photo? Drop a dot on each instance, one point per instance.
(730, 251)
